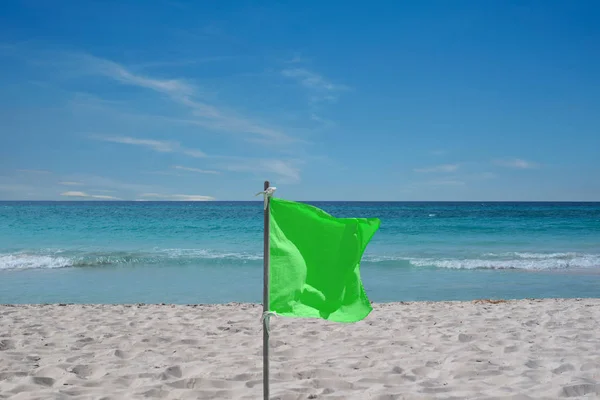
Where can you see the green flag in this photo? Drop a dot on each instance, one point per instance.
(315, 262)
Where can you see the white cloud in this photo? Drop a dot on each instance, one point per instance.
(209, 116)
(119, 73)
(200, 171)
(194, 153)
(84, 195)
(74, 194)
(153, 144)
(70, 183)
(156, 145)
(108, 184)
(180, 63)
(282, 171)
(182, 93)
(439, 168)
(311, 80)
(516, 163)
(323, 89)
(103, 197)
(177, 197)
(296, 59)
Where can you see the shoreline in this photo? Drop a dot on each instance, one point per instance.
(478, 349)
(491, 301)
(191, 285)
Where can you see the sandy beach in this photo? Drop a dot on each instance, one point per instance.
(538, 349)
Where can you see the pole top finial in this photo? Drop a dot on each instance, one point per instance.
(267, 193)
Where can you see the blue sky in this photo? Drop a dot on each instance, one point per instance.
(184, 100)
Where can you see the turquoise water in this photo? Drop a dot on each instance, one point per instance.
(115, 252)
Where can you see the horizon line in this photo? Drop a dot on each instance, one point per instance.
(309, 201)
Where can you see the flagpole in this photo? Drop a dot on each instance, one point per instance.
(266, 260)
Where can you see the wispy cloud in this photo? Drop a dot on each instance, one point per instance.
(105, 184)
(516, 163)
(439, 168)
(282, 171)
(297, 58)
(176, 197)
(183, 93)
(324, 122)
(84, 195)
(156, 145)
(311, 79)
(179, 63)
(211, 117)
(70, 183)
(119, 73)
(165, 147)
(198, 170)
(321, 88)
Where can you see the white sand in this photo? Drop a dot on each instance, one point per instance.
(450, 350)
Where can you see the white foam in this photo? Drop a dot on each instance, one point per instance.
(529, 262)
(29, 261)
(509, 260)
(200, 253)
(533, 255)
(382, 258)
(53, 258)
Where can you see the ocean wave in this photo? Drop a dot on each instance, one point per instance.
(206, 254)
(509, 260)
(65, 259)
(52, 259)
(28, 261)
(541, 264)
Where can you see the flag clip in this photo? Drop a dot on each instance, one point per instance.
(268, 194)
(266, 319)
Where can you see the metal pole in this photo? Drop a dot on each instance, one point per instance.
(266, 297)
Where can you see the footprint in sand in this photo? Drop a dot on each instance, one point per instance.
(43, 381)
(6, 344)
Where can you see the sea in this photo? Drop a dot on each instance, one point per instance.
(211, 252)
